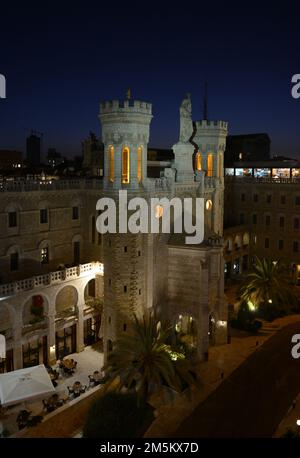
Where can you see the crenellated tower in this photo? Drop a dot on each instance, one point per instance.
(125, 133)
(210, 141)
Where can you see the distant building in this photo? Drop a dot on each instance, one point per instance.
(33, 150)
(54, 158)
(247, 147)
(93, 155)
(10, 159)
(262, 214)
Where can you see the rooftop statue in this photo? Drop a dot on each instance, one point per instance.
(186, 123)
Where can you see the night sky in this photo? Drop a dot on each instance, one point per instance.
(60, 62)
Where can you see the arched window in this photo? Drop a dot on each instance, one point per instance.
(125, 165)
(198, 162)
(210, 165)
(139, 164)
(111, 163)
(220, 165)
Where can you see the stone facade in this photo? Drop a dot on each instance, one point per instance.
(52, 256)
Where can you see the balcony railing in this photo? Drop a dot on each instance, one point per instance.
(51, 278)
(257, 180)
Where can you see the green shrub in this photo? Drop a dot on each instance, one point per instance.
(117, 415)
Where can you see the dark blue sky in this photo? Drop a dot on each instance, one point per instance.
(60, 62)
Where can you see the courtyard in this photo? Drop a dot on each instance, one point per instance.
(88, 361)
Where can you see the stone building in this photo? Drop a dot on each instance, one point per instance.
(63, 284)
(262, 214)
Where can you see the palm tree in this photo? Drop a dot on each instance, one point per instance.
(143, 360)
(267, 285)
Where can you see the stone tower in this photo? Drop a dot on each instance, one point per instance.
(125, 133)
(210, 141)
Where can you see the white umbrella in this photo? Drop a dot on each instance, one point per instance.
(24, 385)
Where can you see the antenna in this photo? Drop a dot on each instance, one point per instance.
(205, 103)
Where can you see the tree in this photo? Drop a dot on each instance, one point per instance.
(144, 360)
(117, 415)
(267, 286)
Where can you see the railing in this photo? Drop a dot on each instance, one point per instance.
(248, 179)
(49, 185)
(51, 278)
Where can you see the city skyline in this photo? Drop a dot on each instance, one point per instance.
(60, 66)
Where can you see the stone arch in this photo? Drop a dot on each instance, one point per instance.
(66, 299)
(35, 309)
(13, 207)
(14, 249)
(90, 289)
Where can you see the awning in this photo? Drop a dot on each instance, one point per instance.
(25, 385)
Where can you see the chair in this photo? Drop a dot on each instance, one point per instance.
(91, 380)
(70, 390)
(45, 404)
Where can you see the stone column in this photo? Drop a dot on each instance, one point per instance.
(79, 330)
(51, 339)
(17, 346)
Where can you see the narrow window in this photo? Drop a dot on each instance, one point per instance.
(125, 165)
(198, 162)
(75, 213)
(125, 289)
(267, 243)
(268, 220)
(139, 164)
(254, 218)
(280, 244)
(220, 165)
(210, 166)
(296, 223)
(14, 262)
(45, 255)
(295, 247)
(12, 219)
(111, 164)
(43, 216)
(281, 221)
(282, 200)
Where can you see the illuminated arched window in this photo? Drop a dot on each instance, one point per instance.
(125, 165)
(210, 166)
(198, 162)
(220, 165)
(111, 163)
(139, 163)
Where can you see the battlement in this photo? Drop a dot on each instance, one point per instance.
(125, 106)
(203, 123)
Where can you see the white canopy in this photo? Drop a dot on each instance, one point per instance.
(24, 385)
